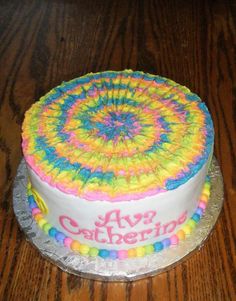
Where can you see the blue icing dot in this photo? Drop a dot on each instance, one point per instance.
(166, 242)
(196, 217)
(33, 205)
(31, 199)
(103, 253)
(113, 254)
(158, 246)
(199, 211)
(60, 237)
(52, 232)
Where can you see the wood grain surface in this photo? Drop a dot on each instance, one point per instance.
(45, 42)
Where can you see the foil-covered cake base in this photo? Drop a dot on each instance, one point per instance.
(109, 269)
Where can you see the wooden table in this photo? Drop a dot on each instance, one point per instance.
(45, 42)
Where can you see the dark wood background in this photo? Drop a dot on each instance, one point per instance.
(45, 42)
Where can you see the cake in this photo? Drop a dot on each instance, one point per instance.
(117, 163)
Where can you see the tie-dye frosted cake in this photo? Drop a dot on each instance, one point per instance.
(118, 163)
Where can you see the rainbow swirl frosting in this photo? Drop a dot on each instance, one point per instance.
(117, 136)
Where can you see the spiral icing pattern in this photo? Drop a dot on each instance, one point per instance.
(117, 136)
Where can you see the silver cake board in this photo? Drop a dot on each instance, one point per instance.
(129, 269)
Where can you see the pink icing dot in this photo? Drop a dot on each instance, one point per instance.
(174, 239)
(35, 211)
(202, 205)
(122, 254)
(67, 242)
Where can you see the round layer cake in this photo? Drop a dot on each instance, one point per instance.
(117, 162)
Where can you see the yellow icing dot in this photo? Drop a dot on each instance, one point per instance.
(28, 186)
(42, 222)
(187, 229)
(140, 251)
(206, 191)
(84, 249)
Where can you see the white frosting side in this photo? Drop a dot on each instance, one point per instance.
(129, 223)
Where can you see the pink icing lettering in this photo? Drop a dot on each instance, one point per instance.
(114, 238)
(143, 233)
(110, 235)
(182, 218)
(88, 234)
(111, 216)
(148, 217)
(169, 227)
(130, 238)
(97, 233)
(66, 222)
(137, 219)
(157, 229)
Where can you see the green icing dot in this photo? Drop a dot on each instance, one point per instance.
(93, 252)
(47, 227)
(149, 249)
(192, 223)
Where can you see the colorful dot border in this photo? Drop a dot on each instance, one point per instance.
(140, 251)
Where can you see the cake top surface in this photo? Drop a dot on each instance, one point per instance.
(117, 136)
